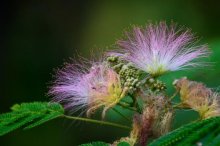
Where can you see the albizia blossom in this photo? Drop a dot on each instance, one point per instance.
(198, 97)
(89, 89)
(157, 49)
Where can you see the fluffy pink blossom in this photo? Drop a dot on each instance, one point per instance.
(157, 49)
(79, 88)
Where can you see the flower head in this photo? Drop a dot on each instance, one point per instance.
(157, 49)
(93, 88)
(198, 97)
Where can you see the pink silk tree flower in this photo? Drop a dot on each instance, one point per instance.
(159, 48)
(79, 88)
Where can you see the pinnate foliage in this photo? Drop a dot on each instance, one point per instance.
(29, 115)
(206, 132)
(104, 144)
(98, 143)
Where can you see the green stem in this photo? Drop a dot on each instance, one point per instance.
(126, 102)
(135, 104)
(127, 106)
(173, 95)
(97, 122)
(179, 106)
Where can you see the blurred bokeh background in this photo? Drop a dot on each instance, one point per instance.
(37, 36)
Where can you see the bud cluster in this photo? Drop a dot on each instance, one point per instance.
(151, 85)
(130, 76)
(155, 85)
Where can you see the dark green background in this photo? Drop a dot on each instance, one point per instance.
(38, 36)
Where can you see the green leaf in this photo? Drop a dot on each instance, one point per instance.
(29, 115)
(104, 144)
(123, 144)
(206, 132)
(96, 144)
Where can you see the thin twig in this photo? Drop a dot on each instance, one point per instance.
(127, 106)
(135, 104)
(174, 95)
(179, 106)
(97, 122)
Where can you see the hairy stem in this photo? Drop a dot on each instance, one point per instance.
(97, 122)
(127, 106)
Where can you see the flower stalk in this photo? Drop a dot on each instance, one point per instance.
(97, 122)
